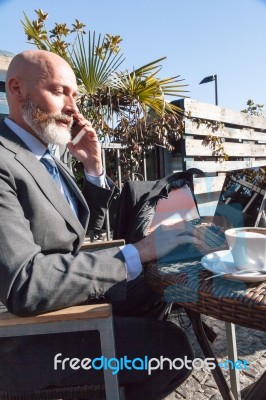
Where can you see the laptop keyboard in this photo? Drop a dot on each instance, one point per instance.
(211, 236)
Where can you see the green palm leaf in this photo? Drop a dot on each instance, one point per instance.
(131, 107)
(92, 71)
(150, 91)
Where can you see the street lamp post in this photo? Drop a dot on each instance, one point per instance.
(210, 79)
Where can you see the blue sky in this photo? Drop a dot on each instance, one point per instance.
(199, 38)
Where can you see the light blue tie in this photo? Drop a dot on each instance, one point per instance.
(51, 167)
(49, 163)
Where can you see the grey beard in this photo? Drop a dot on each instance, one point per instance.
(44, 124)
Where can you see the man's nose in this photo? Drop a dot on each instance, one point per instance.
(71, 106)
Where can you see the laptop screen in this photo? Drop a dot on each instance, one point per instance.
(242, 197)
(241, 202)
(179, 206)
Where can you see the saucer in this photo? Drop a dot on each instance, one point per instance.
(222, 262)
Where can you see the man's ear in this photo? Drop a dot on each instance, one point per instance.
(15, 89)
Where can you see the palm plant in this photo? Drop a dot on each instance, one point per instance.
(126, 107)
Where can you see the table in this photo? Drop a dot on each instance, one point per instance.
(231, 301)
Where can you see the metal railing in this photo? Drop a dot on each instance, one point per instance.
(118, 147)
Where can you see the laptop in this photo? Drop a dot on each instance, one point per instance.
(242, 202)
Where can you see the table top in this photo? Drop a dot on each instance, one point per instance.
(228, 300)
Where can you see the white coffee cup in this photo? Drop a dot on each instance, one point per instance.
(248, 247)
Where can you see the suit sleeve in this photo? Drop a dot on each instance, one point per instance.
(32, 281)
(98, 200)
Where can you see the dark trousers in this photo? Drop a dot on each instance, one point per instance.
(29, 361)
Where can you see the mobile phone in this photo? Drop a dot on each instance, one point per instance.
(79, 136)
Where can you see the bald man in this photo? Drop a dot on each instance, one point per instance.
(43, 220)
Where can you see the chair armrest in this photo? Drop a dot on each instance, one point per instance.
(93, 246)
(91, 311)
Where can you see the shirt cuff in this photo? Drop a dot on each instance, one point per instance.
(97, 180)
(132, 260)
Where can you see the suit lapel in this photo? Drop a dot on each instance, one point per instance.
(28, 160)
(68, 176)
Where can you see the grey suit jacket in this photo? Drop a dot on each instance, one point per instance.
(41, 268)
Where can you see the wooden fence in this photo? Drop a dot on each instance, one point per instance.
(5, 59)
(243, 141)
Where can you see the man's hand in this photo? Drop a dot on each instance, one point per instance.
(87, 149)
(165, 239)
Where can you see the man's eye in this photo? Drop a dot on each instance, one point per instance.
(58, 92)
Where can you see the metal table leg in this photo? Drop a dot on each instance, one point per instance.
(232, 355)
(208, 353)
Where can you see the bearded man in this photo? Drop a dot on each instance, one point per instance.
(43, 220)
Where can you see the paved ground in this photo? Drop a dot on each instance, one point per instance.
(251, 346)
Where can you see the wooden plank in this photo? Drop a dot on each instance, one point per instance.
(213, 166)
(258, 163)
(206, 204)
(94, 246)
(216, 113)
(5, 58)
(207, 208)
(3, 99)
(194, 147)
(208, 184)
(207, 191)
(217, 166)
(2, 75)
(67, 314)
(192, 128)
(3, 104)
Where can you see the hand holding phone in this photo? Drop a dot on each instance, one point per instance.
(81, 133)
(79, 136)
(85, 145)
